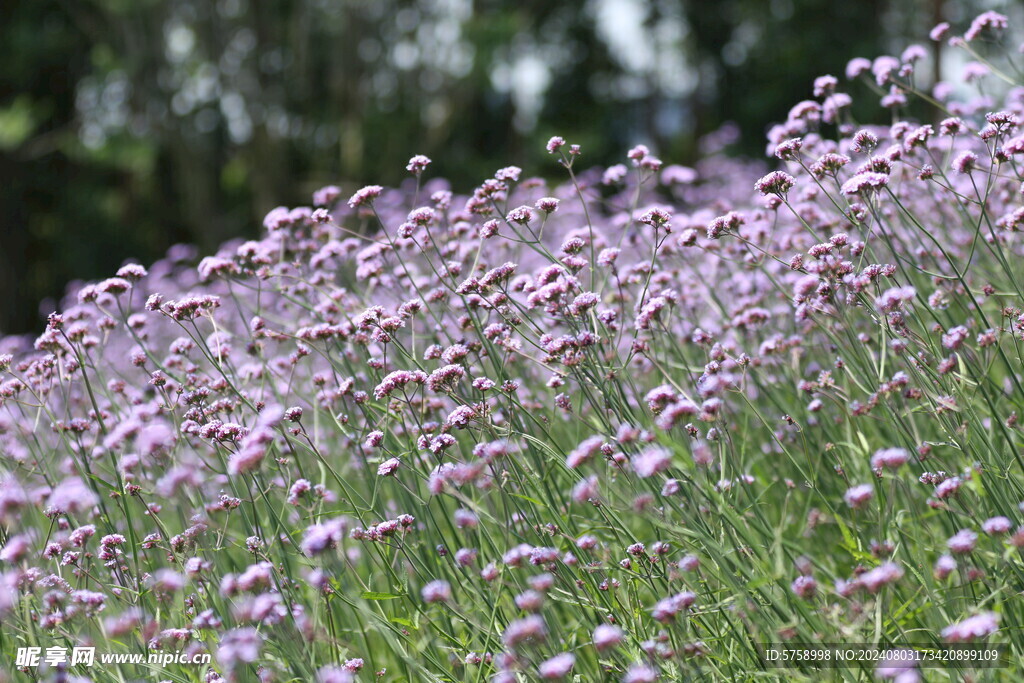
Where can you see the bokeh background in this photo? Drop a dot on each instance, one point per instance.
(127, 126)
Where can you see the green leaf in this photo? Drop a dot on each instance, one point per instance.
(103, 483)
(374, 595)
(403, 622)
(17, 121)
(527, 498)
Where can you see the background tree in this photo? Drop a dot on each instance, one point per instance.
(129, 125)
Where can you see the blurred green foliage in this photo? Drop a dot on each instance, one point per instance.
(130, 125)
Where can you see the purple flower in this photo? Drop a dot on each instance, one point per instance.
(986, 20)
(586, 450)
(674, 175)
(557, 667)
(858, 496)
(529, 601)
(856, 66)
(894, 298)
(388, 467)
(948, 487)
(656, 218)
(436, 591)
(586, 490)
(973, 628)
(277, 219)
(689, 563)
(965, 162)
(955, 338)
(521, 215)
(962, 542)
(939, 31)
(614, 175)
(607, 636)
(805, 587)
(444, 378)
(825, 85)
(865, 183)
(640, 673)
(873, 580)
(547, 204)
(417, 164)
(72, 496)
(333, 674)
(666, 610)
(554, 144)
(326, 196)
(650, 461)
(775, 183)
(727, 224)
(321, 537)
(15, 549)
(944, 566)
(790, 149)
(899, 665)
(996, 526)
(132, 272)
(365, 196)
(239, 646)
(890, 458)
(531, 628)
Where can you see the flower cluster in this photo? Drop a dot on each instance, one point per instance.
(626, 425)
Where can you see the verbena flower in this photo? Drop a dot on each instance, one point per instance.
(972, 628)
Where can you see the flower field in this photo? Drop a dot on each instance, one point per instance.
(633, 425)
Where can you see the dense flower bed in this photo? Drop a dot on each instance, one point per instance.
(633, 425)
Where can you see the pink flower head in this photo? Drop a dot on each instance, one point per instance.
(417, 164)
(557, 667)
(776, 183)
(944, 566)
(889, 458)
(607, 636)
(640, 673)
(72, 496)
(547, 204)
(656, 218)
(521, 215)
(898, 665)
(650, 461)
(531, 628)
(939, 31)
(973, 628)
(326, 196)
(858, 496)
(948, 487)
(586, 450)
(365, 196)
(996, 526)
(388, 467)
(873, 580)
(865, 183)
(986, 20)
(328, 674)
(436, 591)
(239, 646)
(805, 587)
(856, 66)
(965, 162)
(586, 490)
(666, 610)
(554, 144)
(962, 542)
